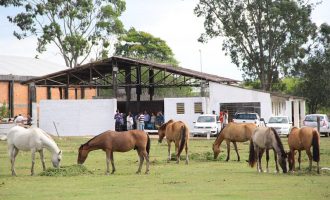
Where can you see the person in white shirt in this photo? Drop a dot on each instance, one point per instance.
(129, 121)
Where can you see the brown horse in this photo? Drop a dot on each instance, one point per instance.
(265, 138)
(111, 141)
(177, 132)
(233, 132)
(303, 139)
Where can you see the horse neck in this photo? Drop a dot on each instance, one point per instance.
(50, 144)
(219, 139)
(278, 146)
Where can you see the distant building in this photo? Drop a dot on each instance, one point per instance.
(16, 96)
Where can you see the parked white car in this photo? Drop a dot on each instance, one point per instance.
(206, 123)
(311, 121)
(248, 118)
(281, 124)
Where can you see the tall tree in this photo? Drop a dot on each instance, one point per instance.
(315, 73)
(143, 45)
(263, 37)
(76, 27)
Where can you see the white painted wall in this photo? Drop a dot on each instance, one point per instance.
(220, 93)
(77, 117)
(189, 117)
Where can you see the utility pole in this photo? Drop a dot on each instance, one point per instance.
(200, 59)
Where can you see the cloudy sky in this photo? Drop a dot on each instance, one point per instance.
(171, 20)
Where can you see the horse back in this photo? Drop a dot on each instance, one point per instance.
(127, 140)
(173, 131)
(239, 132)
(300, 139)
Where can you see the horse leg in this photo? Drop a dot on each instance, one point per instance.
(112, 163)
(187, 157)
(33, 155)
(235, 146)
(228, 150)
(13, 151)
(261, 153)
(141, 161)
(258, 161)
(146, 156)
(276, 163)
(292, 151)
(309, 154)
(169, 151)
(299, 159)
(267, 160)
(42, 158)
(177, 152)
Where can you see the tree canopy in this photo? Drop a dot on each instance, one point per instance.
(143, 45)
(77, 28)
(315, 72)
(263, 37)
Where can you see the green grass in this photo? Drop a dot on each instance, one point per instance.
(203, 178)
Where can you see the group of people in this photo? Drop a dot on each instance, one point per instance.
(140, 121)
(20, 120)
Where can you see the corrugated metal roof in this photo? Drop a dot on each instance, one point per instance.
(24, 66)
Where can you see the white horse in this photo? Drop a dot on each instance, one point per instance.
(32, 139)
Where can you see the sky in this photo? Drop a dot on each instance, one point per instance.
(170, 20)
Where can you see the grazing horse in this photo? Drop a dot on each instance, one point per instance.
(233, 132)
(32, 139)
(111, 141)
(177, 132)
(303, 139)
(265, 138)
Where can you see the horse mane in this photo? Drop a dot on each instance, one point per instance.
(86, 143)
(163, 126)
(44, 133)
(279, 142)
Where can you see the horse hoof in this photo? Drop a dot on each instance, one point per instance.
(147, 172)
(138, 172)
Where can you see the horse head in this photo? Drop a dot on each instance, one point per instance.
(216, 150)
(282, 161)
(162, 130)
(290, 160)
(56, 159)
(82, 155)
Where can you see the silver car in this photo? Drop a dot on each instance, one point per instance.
(311, 121)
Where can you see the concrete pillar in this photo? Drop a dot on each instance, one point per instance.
(302, 111)
(296, 113)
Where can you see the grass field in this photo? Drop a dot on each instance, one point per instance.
(203, 178)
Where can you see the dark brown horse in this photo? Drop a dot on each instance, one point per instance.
(177, 132)
(111, 141)
(265, 138)
(233, 132)
(303, 139)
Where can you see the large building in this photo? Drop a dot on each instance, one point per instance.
(17, 97)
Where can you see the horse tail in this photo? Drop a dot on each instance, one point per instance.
(252, 154)
(183, 139)
(316, 146)
(148, 144)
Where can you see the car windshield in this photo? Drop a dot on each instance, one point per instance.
(313, 118)
(246, 116)
(206, 119)
(279, 120)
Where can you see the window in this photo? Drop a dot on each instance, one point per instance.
(198, 107)
(179, 108)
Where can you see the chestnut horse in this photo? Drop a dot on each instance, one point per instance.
(265, 138)
(111, 141)
(233, 132)
(303, 139)
(177, 132)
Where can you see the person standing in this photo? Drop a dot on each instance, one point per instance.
(153, 120)
(129, 121)
(225, 118)
(146, 119)
(118, 120)
(141, 121)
